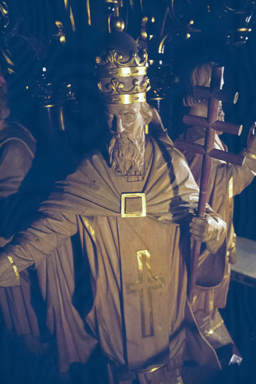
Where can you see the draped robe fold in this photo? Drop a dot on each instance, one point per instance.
(226, 181)
(17, 150)
(138, 272)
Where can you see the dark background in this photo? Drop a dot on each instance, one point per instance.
(48, 49)
(223, 31)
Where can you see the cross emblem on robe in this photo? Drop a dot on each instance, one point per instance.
(144, 286)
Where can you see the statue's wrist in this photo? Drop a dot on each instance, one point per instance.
(9, 274)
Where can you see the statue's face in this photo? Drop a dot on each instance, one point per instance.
(124, 118)
(127, 145)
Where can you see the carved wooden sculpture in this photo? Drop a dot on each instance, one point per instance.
(215, 94)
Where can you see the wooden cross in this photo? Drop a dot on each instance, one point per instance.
(214, 93)
(144, 287)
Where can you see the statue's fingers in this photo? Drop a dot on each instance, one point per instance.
(195, 232)
(202, 221)
(199, 226)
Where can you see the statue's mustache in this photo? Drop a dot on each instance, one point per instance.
(126, 153)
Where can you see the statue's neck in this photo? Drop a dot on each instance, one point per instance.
(200, 109)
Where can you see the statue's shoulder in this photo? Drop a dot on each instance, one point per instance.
(166, 146)
(164, 142)
(92, 165)
(92, 158)
(13, 132)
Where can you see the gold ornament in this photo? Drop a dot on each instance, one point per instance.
(113, 59)
(122, 70)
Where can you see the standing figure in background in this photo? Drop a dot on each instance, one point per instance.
(17, 150)
(226, 181)
(34, 309)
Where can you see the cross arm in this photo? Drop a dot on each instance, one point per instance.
(218, 94)
(221, 126)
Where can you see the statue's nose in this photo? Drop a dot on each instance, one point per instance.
(119, 125)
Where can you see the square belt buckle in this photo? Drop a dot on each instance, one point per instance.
(133, 205)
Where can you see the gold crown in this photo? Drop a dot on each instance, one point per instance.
(122, 80)
(113, 59)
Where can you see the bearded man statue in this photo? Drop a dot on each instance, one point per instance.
(133, 204)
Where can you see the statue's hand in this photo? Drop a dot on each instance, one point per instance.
(206, 229)
(251, 139)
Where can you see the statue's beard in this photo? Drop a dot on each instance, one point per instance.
(127, 152)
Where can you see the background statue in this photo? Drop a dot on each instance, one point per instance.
(226, 181)
(17, 150)
(34, 309)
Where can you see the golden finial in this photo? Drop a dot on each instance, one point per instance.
(117, 24)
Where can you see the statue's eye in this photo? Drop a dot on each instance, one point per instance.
(109, 116)
(129, 117)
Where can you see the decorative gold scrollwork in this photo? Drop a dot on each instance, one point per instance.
(4, 11)
(116, 87)
(114, 58)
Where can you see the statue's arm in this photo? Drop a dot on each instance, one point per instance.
(241, 176)
(15, 161)
(29, 247)
(211, 229)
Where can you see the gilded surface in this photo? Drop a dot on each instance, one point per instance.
(14, 267)
(144, 286)
(122, 76)
(125, 99)
(88, 12)
(123, 72)
(117, 87)
(125, 196)
(210, 331)
(114, 58)
(230, 188)
(89, 228)
(251, 155)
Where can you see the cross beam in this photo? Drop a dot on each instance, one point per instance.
(214, 93)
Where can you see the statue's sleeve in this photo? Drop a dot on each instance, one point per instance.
(243, 176)
(28, 248)
(14, 165)
(239, 176)
(15, 162)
